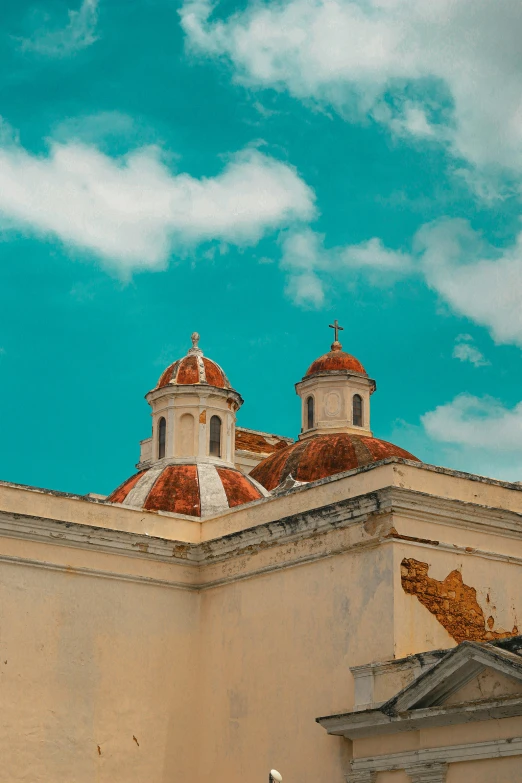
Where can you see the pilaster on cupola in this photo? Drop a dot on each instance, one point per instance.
(335, 393)
(193, 412)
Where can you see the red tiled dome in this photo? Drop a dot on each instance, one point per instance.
(194, 369)
(198, 490)
(335, 360)
(324, 455)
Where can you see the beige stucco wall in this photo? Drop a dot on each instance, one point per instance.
(508, 770)
(86, 665)
(277, 651)
(219, 670)
(217, 685)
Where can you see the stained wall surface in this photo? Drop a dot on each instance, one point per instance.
(122, 661)
(277, 650)
(97, 678)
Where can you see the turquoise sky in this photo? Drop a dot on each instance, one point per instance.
(253, 172)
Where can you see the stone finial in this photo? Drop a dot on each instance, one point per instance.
(195, 350)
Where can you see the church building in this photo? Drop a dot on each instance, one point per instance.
(331, 607)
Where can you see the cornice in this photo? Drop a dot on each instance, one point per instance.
(22, 526)
(98, 572)
(378, 506)
(200, 390)
(373, 722)
(448, 511)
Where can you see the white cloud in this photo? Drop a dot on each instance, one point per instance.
(466, 351)
(373, 255)
(449, 69)
(311, 268)
(478, 281)
(490, 458)
(481, 422)
(477, 434)
(79, 33)
(133, 212)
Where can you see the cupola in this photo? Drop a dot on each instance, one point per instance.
(335, 393)
(193, 411)
(187, 465)
(335, 425)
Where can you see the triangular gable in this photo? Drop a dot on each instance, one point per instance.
(488, 684)
(451, 673)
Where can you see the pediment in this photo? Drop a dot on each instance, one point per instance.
(471, 672)
(489, 684)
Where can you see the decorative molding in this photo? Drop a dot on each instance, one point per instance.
(449, 754)
(101, 574)
(78, 535)
(428, 773)
(373, 722)
(377, 506)
(450, 511)
(422, 702)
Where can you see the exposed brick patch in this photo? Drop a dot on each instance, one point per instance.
(453, 603)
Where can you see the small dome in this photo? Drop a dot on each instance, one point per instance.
(336, 360)
(197, 489)
(194, 368)
(322, 456)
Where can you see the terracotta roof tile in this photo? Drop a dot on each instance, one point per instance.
(324, 455)
(238, 488)
(335, 361)
(121, 492)
(176, 490)
(258, 442)
(188, 371)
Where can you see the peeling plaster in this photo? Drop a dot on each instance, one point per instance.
(453, 603)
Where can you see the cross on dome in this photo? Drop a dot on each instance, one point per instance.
(335, 326)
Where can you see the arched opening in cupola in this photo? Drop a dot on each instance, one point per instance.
(162, 437)
(310, 413)
(357, 416)
(215, 437)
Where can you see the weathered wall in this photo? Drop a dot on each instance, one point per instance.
(276, 654)
(225, 683)
(508, 770)
(96, 678)
(443, 598)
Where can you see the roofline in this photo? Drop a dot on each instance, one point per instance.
(311, 484)
(266, 434)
